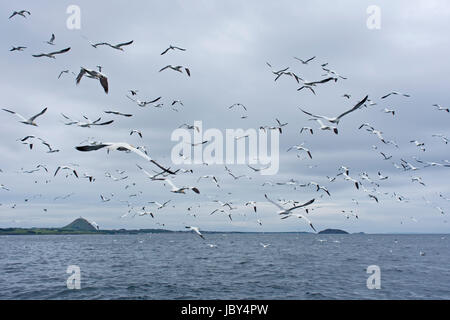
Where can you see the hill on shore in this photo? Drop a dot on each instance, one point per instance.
(80, 224)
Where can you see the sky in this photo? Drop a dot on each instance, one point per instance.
(227, 46)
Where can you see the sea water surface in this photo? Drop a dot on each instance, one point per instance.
(183, 266)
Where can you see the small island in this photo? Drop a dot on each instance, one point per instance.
(333, 231)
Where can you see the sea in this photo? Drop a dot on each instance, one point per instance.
(225, 266)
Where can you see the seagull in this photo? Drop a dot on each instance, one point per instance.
(19, 48)
(373, 197)
(2, 186)
(66, 168)
(305, 61)
(419, 144)
(300, 216)
(190, 127)
(51, 54)
(119, 113)
(196, 230)
(307, 129)
(386, 110)
(50, 42)
(337, 119)
(264, 245)
(136, 131)
(95, 75)
(104, 199)
(172, 48)
(160, 206)
(237, 105)
(288, 211)
(300, 147)
(175, 189)
(445, 139)
(348, 178)
(385, 157)
(418, 179)
(251, 203)
(209, 177)
(395, 93)
(133, 92)
(20, 13)
(381, 177)
(29, 121)
(117, 46)
(61, 73)
(176, 68)
(86, 124)
(143, 103)
(324, 127)
(441, 108)
(120, 146)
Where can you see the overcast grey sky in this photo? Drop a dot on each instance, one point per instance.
(228, 44)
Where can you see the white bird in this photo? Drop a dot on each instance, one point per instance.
(66, 168)
(29, 121)
(51, 54)
(305, 61)
(441, 108)
(381, 177)
(19, 48)
(136, 131)
(338, 118)
(116, 46)
(324, 127)
(288, 211)
(300, 216)
(20, 13)
(386, 110)
(251, 203)
(395, 93)
(160, 206)
(417, 179)
(121, 146)
(196, 230)
(171, 47)
(177, 68)
(95, 75)
(143, 103)
(299, 148)
(264, 245)
(50, 42)
(175, 189)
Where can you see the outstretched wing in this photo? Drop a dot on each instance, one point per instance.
(60, 51)
(91, 147)
(303, 205)
(274, 203)
(39, 114)
(104, 83)
(20, 116)
(124, 44)
(359, 104)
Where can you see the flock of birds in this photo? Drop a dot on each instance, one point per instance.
(163, 173)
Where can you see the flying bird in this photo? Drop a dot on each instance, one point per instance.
(116, 46)
(172, 48)
(20, 13)
(121, 146)
(51, 54)
(338, 118)
(29, 121)
(94, 75)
